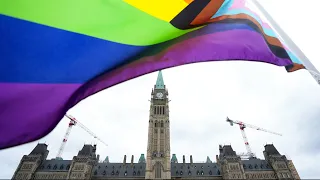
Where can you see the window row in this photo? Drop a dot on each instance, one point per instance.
(281, 166)
(234, 167)
(195, 167)
(117, 173)
(260, 176)
(199, 173)
(56, 167)
(134, 167)
(159, 110)
(158, 124)
(50, 176)
(256, 166)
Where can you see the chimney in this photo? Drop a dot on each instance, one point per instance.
(184, 159)
(191, 161)
(98, 157)
(124, 159)
(132, 160)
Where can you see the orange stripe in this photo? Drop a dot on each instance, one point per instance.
(188, 1)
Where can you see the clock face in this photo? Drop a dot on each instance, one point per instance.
(159, 95)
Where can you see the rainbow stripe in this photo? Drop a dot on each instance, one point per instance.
(55, 53)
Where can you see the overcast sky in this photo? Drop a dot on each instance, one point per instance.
(202, 95)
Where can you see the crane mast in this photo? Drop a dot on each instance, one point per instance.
(72, 123)
(244, 136)
(65, 138)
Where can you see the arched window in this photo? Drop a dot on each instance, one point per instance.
(161, 124)
(95, 172)
(104, 172)
(61, 167)
(117, 173)
(49, 166)
(55, 166)
(125, 173)
(210, 172)
(189, 173)
(134, 173)
(138, 173)
(198, 173)
(112, 173)
(202, 172)
(181, 173)
(177, 172)
(68, 167)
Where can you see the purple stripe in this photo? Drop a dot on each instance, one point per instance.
(30, 111)
(221, 46)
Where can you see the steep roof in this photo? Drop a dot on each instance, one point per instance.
(160, 82)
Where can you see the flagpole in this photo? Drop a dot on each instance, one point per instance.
(291, 45)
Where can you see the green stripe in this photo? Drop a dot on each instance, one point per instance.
(112, 20)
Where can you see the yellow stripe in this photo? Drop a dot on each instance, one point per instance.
(162, 9)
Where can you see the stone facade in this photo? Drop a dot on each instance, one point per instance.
(157, 164)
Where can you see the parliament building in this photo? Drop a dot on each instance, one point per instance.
(157, 163)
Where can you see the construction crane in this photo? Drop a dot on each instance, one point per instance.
(242, 126)
(73, 122)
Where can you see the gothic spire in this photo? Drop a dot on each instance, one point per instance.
(159, 83)
(174, 158)
(208, 160)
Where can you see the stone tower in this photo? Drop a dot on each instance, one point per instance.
(29, 163)
(158, 152)
(82, 164)
(282, 167)
(230, 163)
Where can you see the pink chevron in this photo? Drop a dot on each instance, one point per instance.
(241, 4)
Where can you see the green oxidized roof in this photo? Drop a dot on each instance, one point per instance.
(208, 160)
(174, 158)
(160, 82)
(106, 160)
(142, 159)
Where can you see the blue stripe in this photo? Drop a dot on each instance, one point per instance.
(223, 8)
(34, 53)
